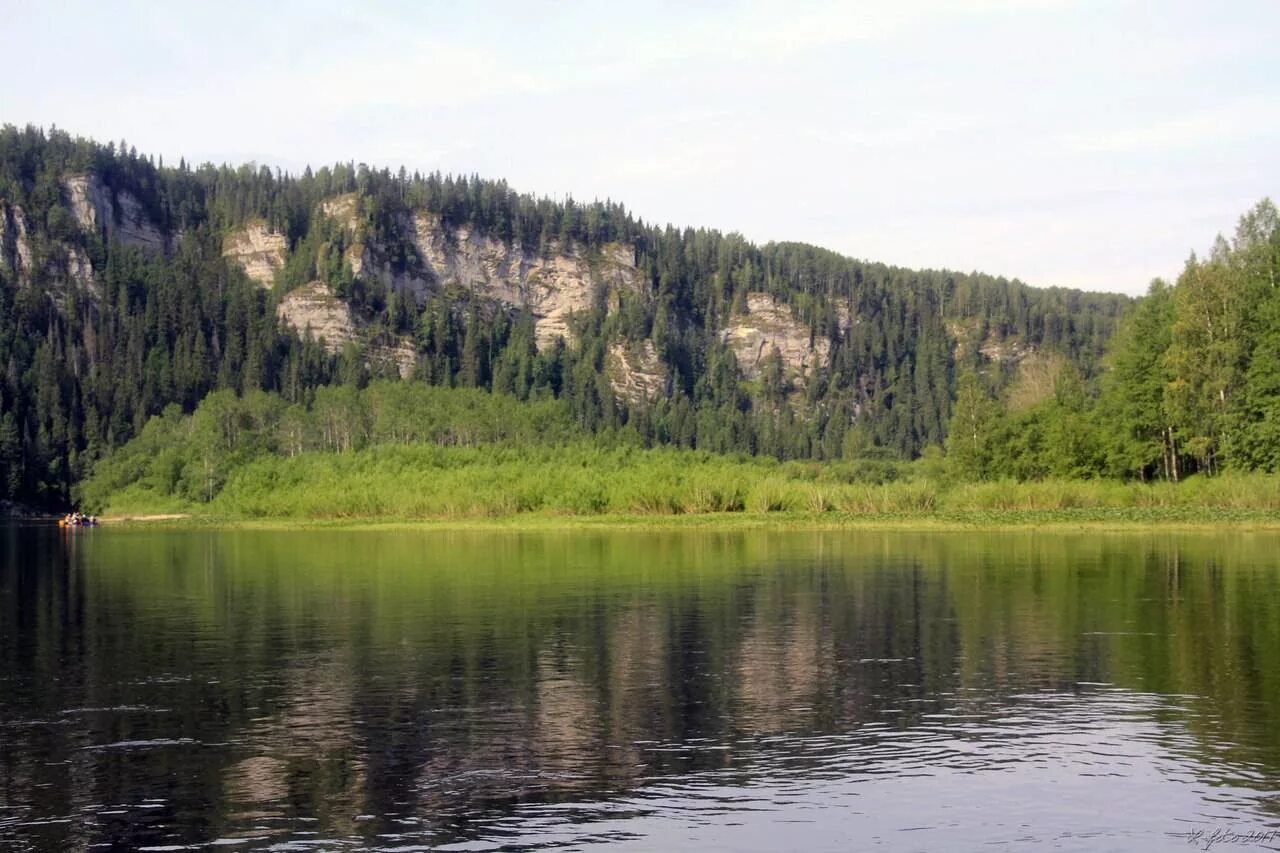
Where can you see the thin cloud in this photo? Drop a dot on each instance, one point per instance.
(1059, 141)
(1215, 126)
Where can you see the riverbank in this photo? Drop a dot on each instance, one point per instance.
(144, 519)
(581, 486)
(574, 485)
(1059, 520)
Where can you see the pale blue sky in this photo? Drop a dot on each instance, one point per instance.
(1087, 144)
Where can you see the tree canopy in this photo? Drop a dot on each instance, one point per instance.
(89, 359)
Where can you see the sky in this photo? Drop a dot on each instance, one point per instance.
(1082, 144)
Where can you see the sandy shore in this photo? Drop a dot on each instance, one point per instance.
(118, 519)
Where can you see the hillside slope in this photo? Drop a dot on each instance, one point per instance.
(127, 286)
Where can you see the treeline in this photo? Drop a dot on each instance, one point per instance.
(399, 450)
(1192, 385)
(87, 365)
(188, 458)
(85, 368)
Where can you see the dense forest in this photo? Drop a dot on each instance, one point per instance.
(1191, 385)
(99, 332)
(410, 451)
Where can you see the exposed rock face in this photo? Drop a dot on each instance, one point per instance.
(72, 264)
(115, 216)
(369, 260)
(314, 308)
(370, 263)
(259, 252)
(766, 325)
(90, 200)
(15, 246)
(401, 353)
(635, 371)
(1010, 350)
(845, 316)
(58, 263)
(552, 288)
(343, 209)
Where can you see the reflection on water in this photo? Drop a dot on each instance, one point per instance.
(753, 691)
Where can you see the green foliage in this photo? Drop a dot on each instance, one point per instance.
(1193, 383)
(1225, 492)
(1190, 384)
(404, 450)
(190, 458)
(87, 366)
(970, 438)
(399, 450)
(1131, 403)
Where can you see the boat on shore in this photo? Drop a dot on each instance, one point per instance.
(78, 519)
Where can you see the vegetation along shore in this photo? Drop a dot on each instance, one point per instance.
(353, 344)
(487, 457)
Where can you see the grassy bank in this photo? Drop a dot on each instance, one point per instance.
(589, 486)
(1063, 521)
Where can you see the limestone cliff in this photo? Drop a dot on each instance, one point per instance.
(635, 372)
(15, 245)
(1009, 350)
(313, 308)
(55, 264)
(112, 215)
(371, 260)
(31, 256)
(768, 324)
(552, 286)
(344, 210)
(257, 251)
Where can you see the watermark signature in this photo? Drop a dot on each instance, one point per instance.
(1207, 839)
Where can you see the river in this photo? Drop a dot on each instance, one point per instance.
(638, 690)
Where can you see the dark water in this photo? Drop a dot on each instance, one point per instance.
(645, 691)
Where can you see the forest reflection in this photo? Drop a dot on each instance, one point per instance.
(360, 681)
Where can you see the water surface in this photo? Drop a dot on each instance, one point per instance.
(311, 690)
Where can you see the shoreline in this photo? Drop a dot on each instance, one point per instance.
(143, 519)
(1154, 520)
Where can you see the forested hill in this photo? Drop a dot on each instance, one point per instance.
(128, 285)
